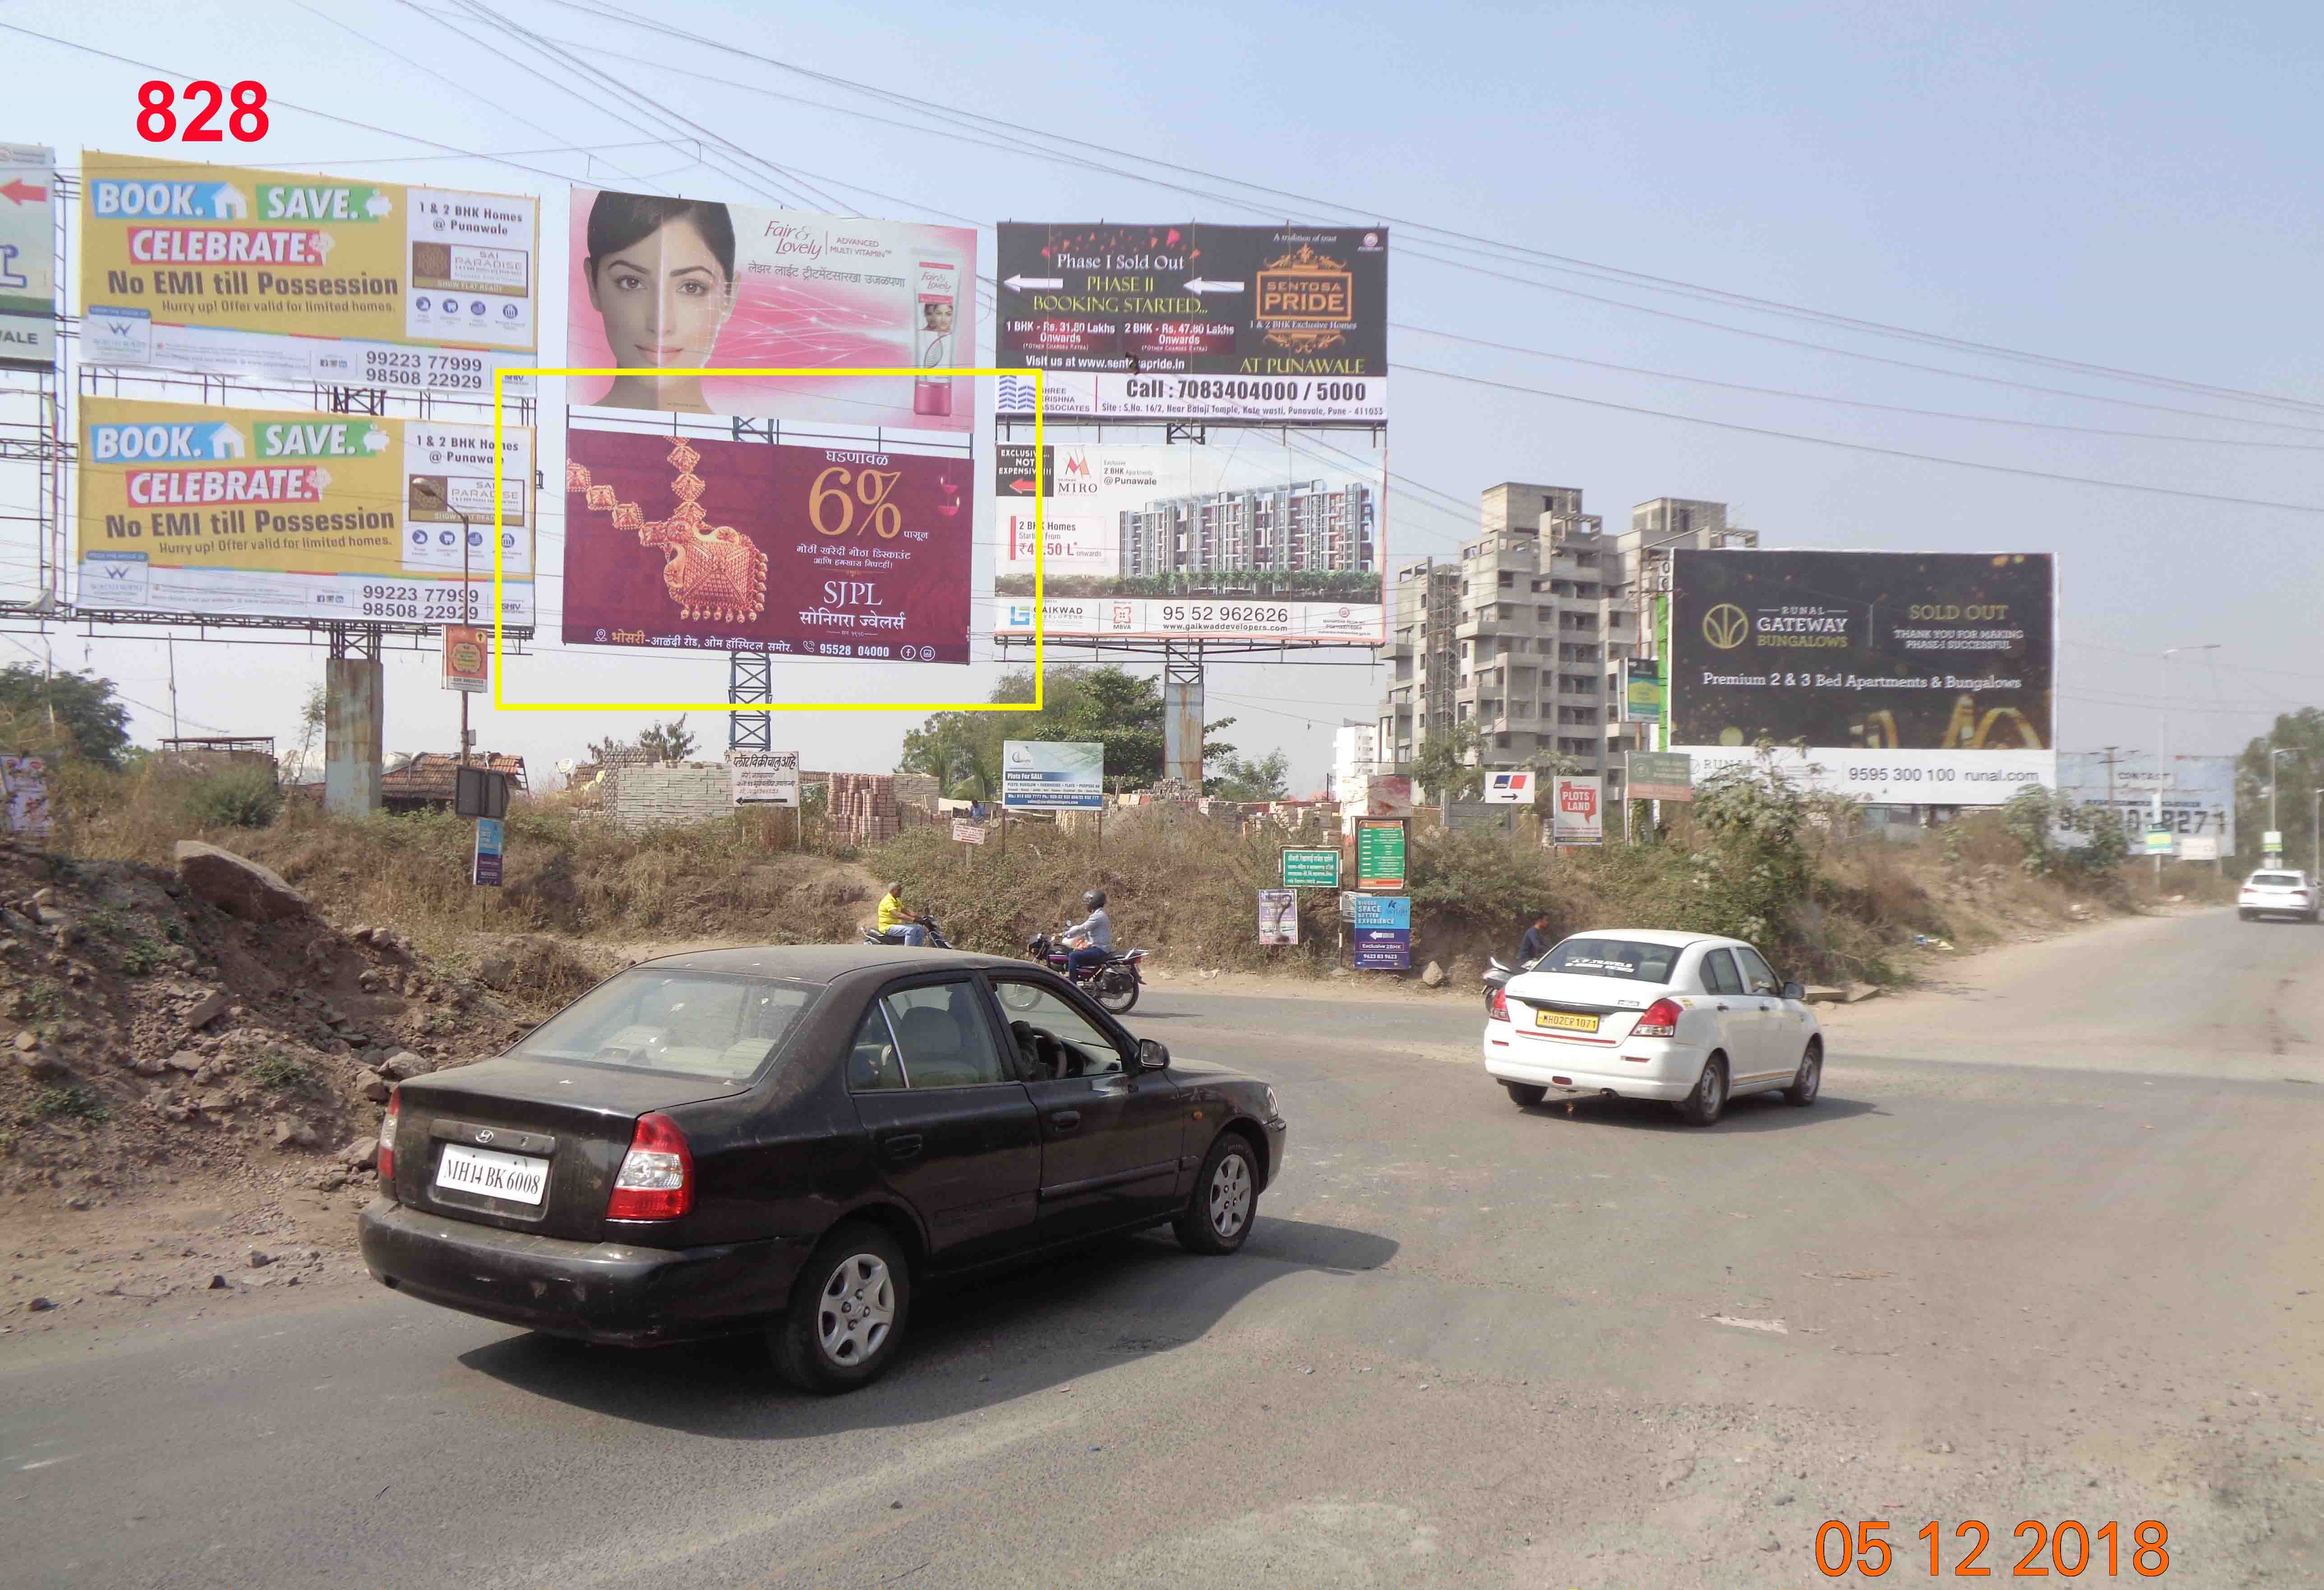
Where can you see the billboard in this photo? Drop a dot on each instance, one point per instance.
(1578, 812)
(1919, 677)
(1185, 321)
(28, 256)
(1381, 925)
(1052, 775)
(689, 284)
(2198, 794)
(238, 272)
(689, 543)
(1256, 539)
(186, 508)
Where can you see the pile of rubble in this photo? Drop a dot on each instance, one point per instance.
(206, 1021)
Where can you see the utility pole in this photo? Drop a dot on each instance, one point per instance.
(466, 614)
(2163, 738)
(2275, 785)
(174, 686)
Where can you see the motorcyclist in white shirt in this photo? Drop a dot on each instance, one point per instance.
(1096, 934)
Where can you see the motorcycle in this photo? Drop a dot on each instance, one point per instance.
(1114, 983)
(937, 940)
(1498, 973)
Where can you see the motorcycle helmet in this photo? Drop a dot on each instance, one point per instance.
(1093, 898)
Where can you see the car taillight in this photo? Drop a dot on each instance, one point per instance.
(1498, 1010)
(657, 1178)
(1659, 1019)
(387, 1139)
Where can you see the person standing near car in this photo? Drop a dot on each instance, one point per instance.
(897, 925)
(1535, 943)
(1096, 935)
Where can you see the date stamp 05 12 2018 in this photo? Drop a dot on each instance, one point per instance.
(2067, 1550)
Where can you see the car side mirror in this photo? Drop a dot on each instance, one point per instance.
(1152, 1055)
(1794, 991)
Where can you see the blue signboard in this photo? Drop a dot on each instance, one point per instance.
(488, 837)
(1382, 926)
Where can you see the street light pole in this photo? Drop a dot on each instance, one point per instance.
(2275, 785)
(2162, 739)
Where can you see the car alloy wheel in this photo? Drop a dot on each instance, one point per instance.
(1218, 1219)
(1805, 1086)
(1230, 1196)
(856, 1311)
(1703, 1106)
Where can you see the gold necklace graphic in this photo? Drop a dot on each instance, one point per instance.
(712, 572)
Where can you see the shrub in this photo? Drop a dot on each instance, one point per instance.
(234, 798)
(70, 1101)
(281, 1073)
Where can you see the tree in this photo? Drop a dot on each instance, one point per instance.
(1440, 765)
(1251, 781)
(1107, 704)
(662, 742)
(2302, 772)
(313, 713)
(81, 705)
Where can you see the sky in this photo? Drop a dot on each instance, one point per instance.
(2115, 205)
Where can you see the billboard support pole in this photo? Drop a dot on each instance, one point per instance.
(1181, 712)
(749, 680)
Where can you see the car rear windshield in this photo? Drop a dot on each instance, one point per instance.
(1613, 957)
(699, 1022)
(2276, 880)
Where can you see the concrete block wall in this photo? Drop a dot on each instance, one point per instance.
(661, 795)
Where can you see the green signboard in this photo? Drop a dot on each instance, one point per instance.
(1642, 690)
(1661, 775)
(2160, 841)
(1311, 869)
(1380, 852)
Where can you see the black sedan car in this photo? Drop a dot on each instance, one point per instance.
(792, 1139)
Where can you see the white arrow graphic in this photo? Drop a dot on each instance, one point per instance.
(1032, 284)
(1199, 285)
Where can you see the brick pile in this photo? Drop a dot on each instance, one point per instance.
(864, 809)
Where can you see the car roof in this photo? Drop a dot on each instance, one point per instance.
(824, 963)
(1651, 936)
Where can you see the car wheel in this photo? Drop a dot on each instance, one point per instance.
(1525, 1093)
(1708, 1102)
(848, 1313)
(1809, 1083)
(1226, 1198)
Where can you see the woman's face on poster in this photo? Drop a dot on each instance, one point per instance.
(663, 299)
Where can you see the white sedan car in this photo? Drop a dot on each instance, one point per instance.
(1686, 1018)
(2274, 892)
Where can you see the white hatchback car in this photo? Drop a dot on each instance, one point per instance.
(2272, 891)
(1686, 1018)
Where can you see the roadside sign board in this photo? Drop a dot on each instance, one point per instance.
(1380, 852)
(1387, 795)
(2272, 841)
(1381, 926)
(467, 657)
(490, 837)
(1642, 690)
(1498, 816)
(965, 832)
(1311, 869)
(764, 778)
(1052, 775)
(1510, 787)
(1661, 775)
(1579, 818)
(2198, 847)
(2159, 841)
(1278, 916)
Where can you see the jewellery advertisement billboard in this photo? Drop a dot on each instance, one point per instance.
(1271, 324)
(1255, 538)
(688, 285)
(1906, 677)
(703, 543)
(233, 270)
(187, 508)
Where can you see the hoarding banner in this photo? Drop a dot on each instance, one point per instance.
(1052, 775)
(699, 542)
(1381, 928)
(657, 283)
(1659, 775)
(2198, 794)
(1387, 795)
(1380, 852)
(764, 778)
(24, 781)
(467, 657)
(1269, 324)
(1278, 916)
(28, 256)
(1578, 814)
(1910, 677)
(1642, 690)
(1513, 788)
(238, 272)
(1146, 540)
(1311, 869)
(259, 512)
(491, 839)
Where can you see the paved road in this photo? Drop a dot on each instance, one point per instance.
(2048, 1249)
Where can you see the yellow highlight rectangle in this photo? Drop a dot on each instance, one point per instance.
(1040, 565)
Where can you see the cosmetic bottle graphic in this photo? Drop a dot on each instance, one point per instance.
(937, 299)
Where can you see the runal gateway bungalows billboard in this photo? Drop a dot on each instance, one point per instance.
(1890, 677)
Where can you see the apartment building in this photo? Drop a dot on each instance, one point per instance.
(1355, 748)
(1524, 635)
(1303, 525)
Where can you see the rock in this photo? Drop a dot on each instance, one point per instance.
(186, 1060)
(238, 885)
(208, 1009)
(260, 1257)
(149, 1065)
(290, 1133)
(404, 1065)
(219, 1284)
(1858, 993)
(375, 1089)
(496, 972)
(1822, 993)
(359, 1150)
(28, 1041)
(1769, 1543)
(1433, 975)
(39, 1305)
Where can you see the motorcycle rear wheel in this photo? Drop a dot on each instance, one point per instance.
(1116, 990)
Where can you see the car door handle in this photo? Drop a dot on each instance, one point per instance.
(1065, 1120)
(903, 1145)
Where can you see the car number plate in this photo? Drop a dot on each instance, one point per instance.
(514, 1176)
(1565, 1021)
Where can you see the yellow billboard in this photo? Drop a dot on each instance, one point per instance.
(191, 510)
(233, 271)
